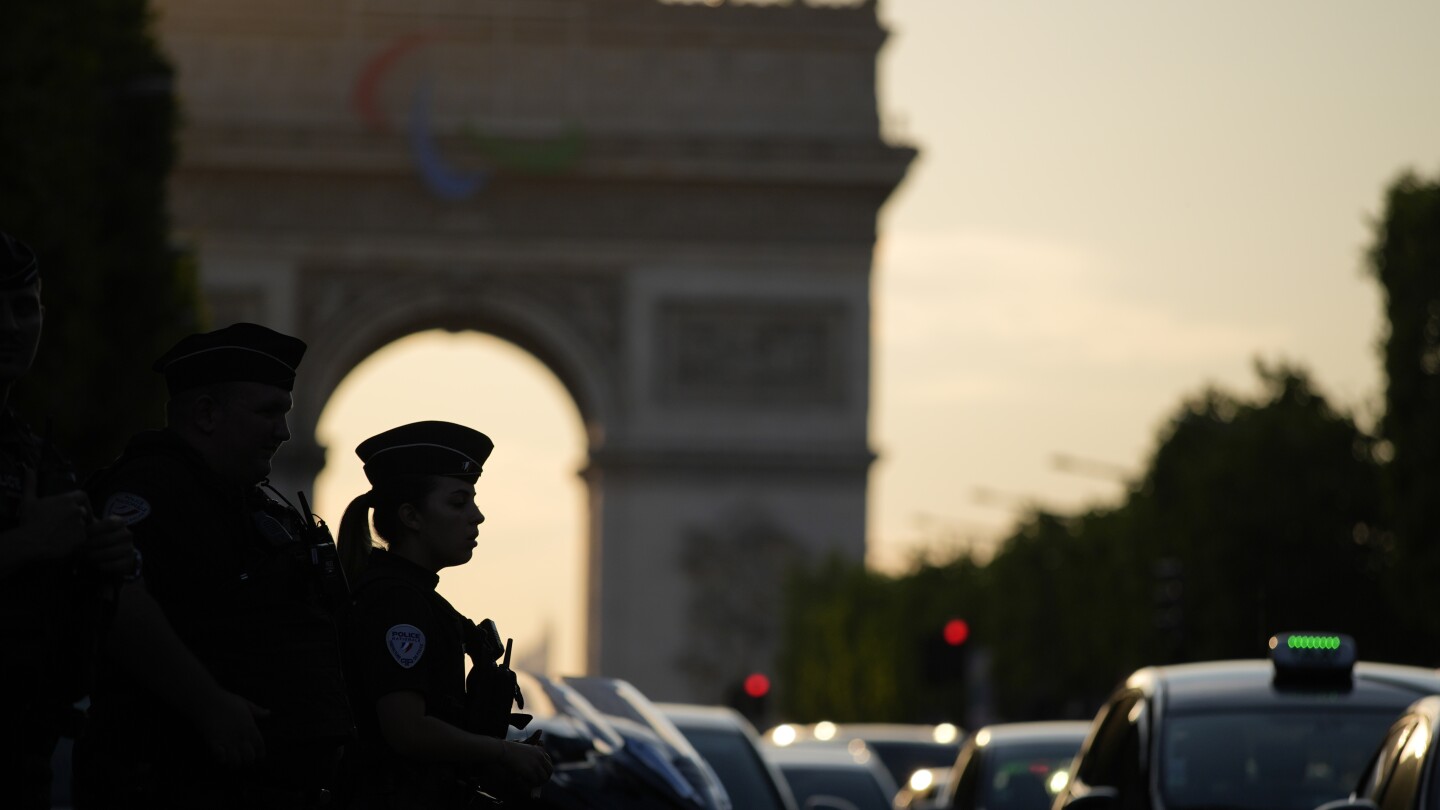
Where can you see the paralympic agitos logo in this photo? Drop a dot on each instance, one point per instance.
(444, 180)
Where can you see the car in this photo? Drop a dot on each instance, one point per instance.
(634, 715)
(728, 742)
(924, 791)
(1290, 733)
(848, 777)
(1401, 774)
(1012, 766)
(903, 748)
(601, 762)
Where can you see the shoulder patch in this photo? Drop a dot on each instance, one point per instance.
(127, 506)
(406, 644)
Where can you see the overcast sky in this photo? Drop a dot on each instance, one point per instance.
(1116, 204)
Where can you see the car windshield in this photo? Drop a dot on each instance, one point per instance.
(904, 757)
(855, 785)
(1290, 760)
(738, 765)
(1027, 775)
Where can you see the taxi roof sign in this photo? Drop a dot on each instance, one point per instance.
(1312, 656)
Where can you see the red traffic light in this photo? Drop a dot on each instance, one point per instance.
(757, 685)
(956, 631)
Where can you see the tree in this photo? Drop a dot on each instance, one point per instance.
(87, 139)
(1405, 259)
(855, 640)
(1264, 510)
(1271, 506)
(1067, 612)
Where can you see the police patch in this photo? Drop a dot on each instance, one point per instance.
(127, 506)
(406, 644)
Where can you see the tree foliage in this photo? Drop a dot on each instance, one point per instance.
(1269, 505)
(87, 139)
(854, 638)
(1266, 510)
(1405, 260)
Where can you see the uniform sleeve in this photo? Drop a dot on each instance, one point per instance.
(179, 562)
(396, 634)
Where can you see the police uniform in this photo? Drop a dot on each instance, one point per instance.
(52, 615)
(403, 635)
(231, 569)
(51, 611)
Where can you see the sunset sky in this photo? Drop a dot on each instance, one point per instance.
(1116, 204)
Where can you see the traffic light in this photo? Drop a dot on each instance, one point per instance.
(957, 631)
(944, 652)
(750, 696)
(1168, 616)
(1169, 593)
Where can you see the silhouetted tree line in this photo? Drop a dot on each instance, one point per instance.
(1256, 514)
(86, 145)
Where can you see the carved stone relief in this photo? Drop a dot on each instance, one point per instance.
(587, 303)
(751, 352)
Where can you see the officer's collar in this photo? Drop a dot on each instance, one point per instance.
(168, 442)
(394, 564)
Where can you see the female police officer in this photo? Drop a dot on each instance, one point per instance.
(407, 667)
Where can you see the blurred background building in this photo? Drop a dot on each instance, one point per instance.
(670, 205)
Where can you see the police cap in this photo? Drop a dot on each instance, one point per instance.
(18, 265)
(242, 352)
(425, 448)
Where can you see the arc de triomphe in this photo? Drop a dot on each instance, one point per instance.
(671, 205)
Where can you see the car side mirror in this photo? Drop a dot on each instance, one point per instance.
(1097, 798)
(1351, 803)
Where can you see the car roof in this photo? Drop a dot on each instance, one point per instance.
(898, 732)
(820, 755)
(693, 715)
(944, 735)
(1427, 706)
(887, 731)
(1249, 684)
(1040, 731)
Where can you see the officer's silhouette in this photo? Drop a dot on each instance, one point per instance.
(59, 565)
(407, 643)
(229, 567)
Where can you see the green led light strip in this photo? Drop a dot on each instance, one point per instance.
(1314, 642)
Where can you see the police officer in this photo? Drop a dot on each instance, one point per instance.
(407, 644)
(59, 565)
(230, 569)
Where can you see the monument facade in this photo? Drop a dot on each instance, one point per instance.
(671, 205)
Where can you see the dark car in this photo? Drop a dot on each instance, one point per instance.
(1290, 733)
(1013, 766)
(633, 715)
(601, 762)
(1401, 775)
(829, 776)
(727, 741)
(903, 748)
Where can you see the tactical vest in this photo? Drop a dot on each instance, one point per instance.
(269, 634)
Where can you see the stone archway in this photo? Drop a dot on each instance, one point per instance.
(696, 274)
